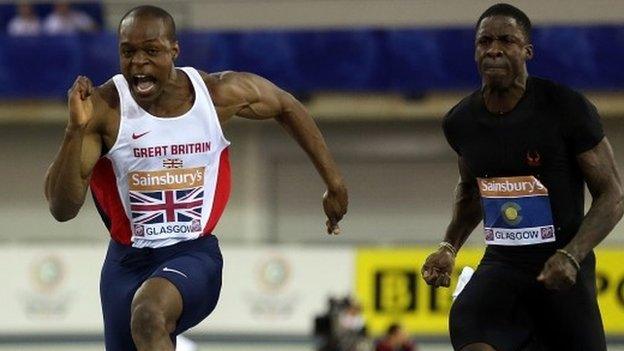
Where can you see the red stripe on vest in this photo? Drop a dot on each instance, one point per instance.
(222, 192)
(106, 194)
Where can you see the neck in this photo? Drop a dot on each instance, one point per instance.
(502, 100)
(176, 92)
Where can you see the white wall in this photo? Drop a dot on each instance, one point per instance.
(400, 175)
(273, 289)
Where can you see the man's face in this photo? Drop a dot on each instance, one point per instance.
(501, 50)
(146, 56)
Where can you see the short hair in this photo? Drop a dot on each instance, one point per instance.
(153, 12)
(507, 10)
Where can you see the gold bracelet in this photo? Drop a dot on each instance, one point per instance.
(449, 247)
(572, 259)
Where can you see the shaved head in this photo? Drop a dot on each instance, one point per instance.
(152, 12)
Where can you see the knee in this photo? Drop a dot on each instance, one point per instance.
(148, 321)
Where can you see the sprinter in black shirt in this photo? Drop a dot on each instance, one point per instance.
(525, 147)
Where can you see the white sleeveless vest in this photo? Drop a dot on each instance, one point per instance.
(165, 180)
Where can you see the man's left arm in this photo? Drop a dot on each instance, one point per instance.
(604, 183)
(250, 96)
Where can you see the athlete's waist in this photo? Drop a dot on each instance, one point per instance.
(130, 255)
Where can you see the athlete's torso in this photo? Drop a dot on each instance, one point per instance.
(163, 180)
(535, 139)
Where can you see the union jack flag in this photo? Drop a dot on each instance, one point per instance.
(166, 206)
(172, 163)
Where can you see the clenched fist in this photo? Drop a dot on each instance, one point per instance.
(438, 268)
(79, 101)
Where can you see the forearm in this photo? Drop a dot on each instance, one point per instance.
(65, 186)
(300, 125)
(604, 213)
(467, 214)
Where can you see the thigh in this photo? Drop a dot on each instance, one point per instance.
(491, 309)
(570, 320)
(197, 276)
(118, 284)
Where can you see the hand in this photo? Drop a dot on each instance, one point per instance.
(80, 105)
(335, 204)
(438, 268)
(558, 273)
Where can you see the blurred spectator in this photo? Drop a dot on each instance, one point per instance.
(351, 327)
(26, 22)
(342, 328)
(395, 340)
(65, 20)
(351, 318)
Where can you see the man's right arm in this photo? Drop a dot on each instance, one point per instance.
(467, 214)
(467, 211)
(67, 178)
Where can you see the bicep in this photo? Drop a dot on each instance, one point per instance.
(467, 188)
(465, 174)
(265, 99)
(599, 168)
(248, 95)
(581, 124)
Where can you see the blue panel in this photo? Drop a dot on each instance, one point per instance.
(413, 61)
(410, 61)
(564, 54)
(207, 51)
(100, 59)
(457, 56)
(42, 67)
(340, 60)
(269, 54)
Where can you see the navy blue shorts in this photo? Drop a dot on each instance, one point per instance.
(194, 267)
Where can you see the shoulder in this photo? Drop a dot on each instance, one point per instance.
(230, 87)
(551, 92)
(105, 103)
(227, 79)
(461, 111)
(107, 95)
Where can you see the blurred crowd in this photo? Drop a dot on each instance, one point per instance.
(63, 19)
(343, 328)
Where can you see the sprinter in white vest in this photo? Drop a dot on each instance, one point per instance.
(150, 145)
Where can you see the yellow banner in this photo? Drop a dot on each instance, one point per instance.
(390, 288)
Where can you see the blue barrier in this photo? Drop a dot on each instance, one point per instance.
(410, 61)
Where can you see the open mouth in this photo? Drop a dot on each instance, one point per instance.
(143, 84)
(495, 70)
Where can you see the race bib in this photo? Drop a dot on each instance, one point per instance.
(166, 203)
(516, 211)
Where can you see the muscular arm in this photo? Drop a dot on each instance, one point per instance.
(467, 212)
(253, 97)
(438, 266)
(67, 179)
(605, 186)
(607, 208)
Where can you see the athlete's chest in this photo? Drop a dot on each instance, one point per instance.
(529, 144)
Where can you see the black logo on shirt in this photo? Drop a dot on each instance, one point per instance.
(533, 158)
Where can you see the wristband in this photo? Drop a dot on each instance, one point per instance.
(449, 247)
(572, 259)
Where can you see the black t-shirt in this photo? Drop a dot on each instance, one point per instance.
(541, 137)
